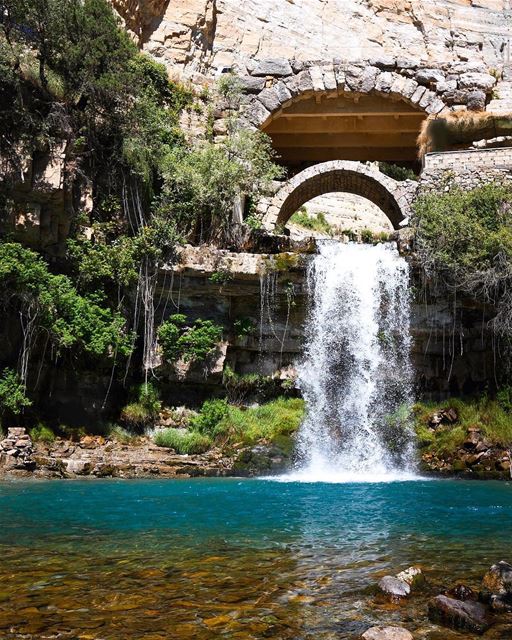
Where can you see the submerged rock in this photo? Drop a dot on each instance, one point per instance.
(394, 588)
(497, 587)
(461, 592)
(387, 633)
(461, 615)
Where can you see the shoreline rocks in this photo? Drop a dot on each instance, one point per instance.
(461, 615)
(16, 450)
(387, 633)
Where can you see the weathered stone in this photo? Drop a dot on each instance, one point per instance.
(384, 82)
(270, 99)
(252, 85)
(477, 80)
(429, 76)
(418, 95)
(272, 67)
(476, 100)
(387, 633)
(282, 92)
(446, 85)
(463, 616)
(329, 78)
(317, 78)
(384, 62)
(394, 588)
(361, 80)
(304, 81)
(257, 113)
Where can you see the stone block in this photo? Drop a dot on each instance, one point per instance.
(282, 92)
(385, 81)
(429, 76)
(278, 67)
(317, 78)
(257, 113)
(270, 99)
(329, 78)
(252, 85)
(477, 80)
(418, 95)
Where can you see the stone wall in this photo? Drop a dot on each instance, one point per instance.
(467, 169)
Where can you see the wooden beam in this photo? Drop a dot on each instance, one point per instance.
(341, 124)
(366, 140)
(370, 105)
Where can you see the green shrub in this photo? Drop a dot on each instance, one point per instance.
(221, 277)
(12, 393)
(243, 327)
(397, 172)
(42, 433)
(145, 407)
(212, 412)
(315, 222)
(367, 236)
(183, 441)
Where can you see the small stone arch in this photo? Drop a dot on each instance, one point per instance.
(391, 196)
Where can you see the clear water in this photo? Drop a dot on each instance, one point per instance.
(236, 558)
(356, 370)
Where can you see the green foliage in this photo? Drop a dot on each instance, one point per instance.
(183, 442)
(229, 87)
(397, 172)
(486, 414)
(221, 277)
(71, 320)
(42, 433)
(465, 238)
(243, 327)
(254, 386)
(281, 417)
(212, 412)
(192, 343)
(315, 222)
(145, 407)
(367, 235)
(202, 183)
(12, 393)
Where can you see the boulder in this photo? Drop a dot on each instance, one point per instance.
(427, 76)
(394, 588)
(462, 616)
(473, 80)
(387, 633)
(497, 586)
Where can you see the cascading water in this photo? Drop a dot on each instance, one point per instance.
(356, 373)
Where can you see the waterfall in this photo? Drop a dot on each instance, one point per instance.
(356, 373)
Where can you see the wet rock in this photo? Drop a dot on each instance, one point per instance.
(463, 616)
(387, 633)
(413, 576)
(496, 587)
(461, 592)
(394, 588)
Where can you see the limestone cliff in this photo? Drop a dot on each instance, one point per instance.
(208, 35)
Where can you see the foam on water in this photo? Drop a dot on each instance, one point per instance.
(356, 371)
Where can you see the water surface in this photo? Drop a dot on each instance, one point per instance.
(236, 558)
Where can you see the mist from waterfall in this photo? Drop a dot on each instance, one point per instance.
(356, 375)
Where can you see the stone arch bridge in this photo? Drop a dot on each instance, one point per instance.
(392, 197)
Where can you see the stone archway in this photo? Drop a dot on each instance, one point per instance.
(391, 196)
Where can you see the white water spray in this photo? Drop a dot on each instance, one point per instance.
(356, 372)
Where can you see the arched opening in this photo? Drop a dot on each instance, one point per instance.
(318, 127)
(355, 178)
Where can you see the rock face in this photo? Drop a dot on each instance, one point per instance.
(196, 34)
(387, 633)
(463, 616)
